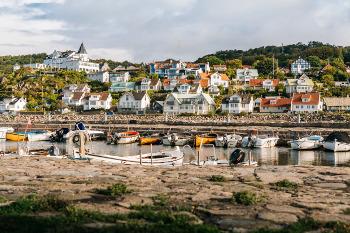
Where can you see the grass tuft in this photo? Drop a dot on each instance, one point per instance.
(3, 200)
(285, 185)
(246, 198)
(116, 190)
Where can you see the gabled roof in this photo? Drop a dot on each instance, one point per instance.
(139, 95)
(275, 102)
(154, 82)
(259, 82)
(313, 98)
(78, 95)
(82, 49)
(336, 101)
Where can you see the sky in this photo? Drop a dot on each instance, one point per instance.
(148, 30)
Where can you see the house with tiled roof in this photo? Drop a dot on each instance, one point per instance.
(267, 84)
(94, 101)
(134, 102)
(176, 69)
(302, 85)
(220, 68)
(306, 102)
(246, 74)
(198, 104)
(237, 104)
(13, 104)
(336, 104)
(218, 79)
(275, 104)
(74, 94)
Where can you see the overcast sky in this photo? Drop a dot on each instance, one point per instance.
(147, 30)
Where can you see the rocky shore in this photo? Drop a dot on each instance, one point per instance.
(227, 199)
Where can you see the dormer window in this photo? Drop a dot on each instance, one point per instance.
(305, 99)
(273, 101)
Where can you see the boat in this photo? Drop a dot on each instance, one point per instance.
(337, 142)
(162, 158)
(205, 139)
(228, 141)
(126, 137)
(175, 139)
(16, 137)
(307, 143)
(260, 141)
(38, 136)
(150, 139)
(4, 131)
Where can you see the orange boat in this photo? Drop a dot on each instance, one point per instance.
(126, 137)
(205, 139)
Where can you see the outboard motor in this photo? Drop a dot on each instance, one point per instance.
(54, 151)
(237, 157)
(80, 126)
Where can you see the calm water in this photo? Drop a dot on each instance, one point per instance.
(266, 156)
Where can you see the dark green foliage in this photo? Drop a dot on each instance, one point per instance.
(217, 178)
(116, 190)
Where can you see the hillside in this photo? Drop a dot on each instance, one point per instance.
(284, 54)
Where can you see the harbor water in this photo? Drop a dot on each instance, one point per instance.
(279, 156)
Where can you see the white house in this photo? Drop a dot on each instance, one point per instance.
(300, 66)
(237, 104)
(267, 84)
(306, 102)
(336, 104)
(275, 104)
(136, 102)
(98, 101)
(71, 60)
(302, 85)
(217, 79)
(118, 77)
(13, 104)
(199, 104)
(245, 75)
(169, 84)
(101, 76)
(74, 94)
(36, 66)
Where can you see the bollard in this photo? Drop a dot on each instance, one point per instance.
(82, 144)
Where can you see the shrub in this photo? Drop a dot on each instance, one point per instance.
(285, 185)
(116, 190)
(246, 198)
(3, 200)
(217, 178)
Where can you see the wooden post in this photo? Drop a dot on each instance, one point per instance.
(151, 154)
(198, 157)
(140, 157)
(82, 144)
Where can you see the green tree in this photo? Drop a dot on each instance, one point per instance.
(327, 80)
(265, 66)
(234, 64)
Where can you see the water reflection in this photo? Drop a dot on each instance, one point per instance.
(264, 156)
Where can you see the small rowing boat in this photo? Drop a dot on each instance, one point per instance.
(162, 158)
(4, 131)
(307, 143)
(228, 141)
(126, 137)
(337, 142)
(37, 136)
(16, 137)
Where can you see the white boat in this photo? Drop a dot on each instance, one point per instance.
(229, 141)
(126, 137)
(4, 131)
(175, 140)
(307, 143)
(260, 141)
(162, 158)
(40, 136)
(337, 142)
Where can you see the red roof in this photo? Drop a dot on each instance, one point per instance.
(309, 98)
(259, 82)
(275, 102)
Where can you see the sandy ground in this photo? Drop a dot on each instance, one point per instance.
(323, 192)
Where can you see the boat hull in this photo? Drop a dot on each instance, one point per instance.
(149, 141)
(204, 140)
(16, 137)
(39, 137)
(336, 146)
(304, 145)
(265, 142)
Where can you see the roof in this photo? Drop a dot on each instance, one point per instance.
(224, 77)
(303, 78)
(154, 81)
(259, 82)
(204, 83)
(204, 75)
(280, 102)
(82, 49)
(245, 99)
(312, 98)
(336, 101)
(247, 72)
(78, 95)
(139, 95)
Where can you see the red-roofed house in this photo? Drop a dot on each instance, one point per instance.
(267, 84)
(219, 80)
(98, 101)
(275, 104)
(306, 102)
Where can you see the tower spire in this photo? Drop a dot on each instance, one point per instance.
(82, 49)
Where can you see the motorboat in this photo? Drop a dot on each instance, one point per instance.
(205, 139)
(64, 134)
(228, 141)
(175, 139)
(162, 158)
(150, 139)
(126, 137)
(307, 143)
(337, 142)
(37, 136)
(4, 131)
(260, 141)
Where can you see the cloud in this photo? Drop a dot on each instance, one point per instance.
(157, 29)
